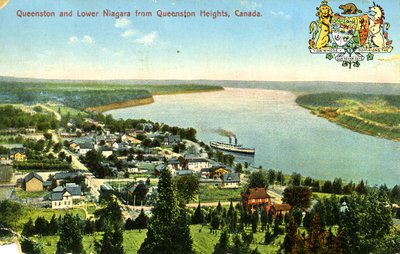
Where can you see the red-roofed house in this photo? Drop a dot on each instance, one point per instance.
(256, 197)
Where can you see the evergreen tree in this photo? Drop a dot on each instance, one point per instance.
(222, 247)
(254, 220)
(264, 219)
(141, 221)
(30, 247)
(231, 219)
(168, 230)
(129, 224)
(70, 236)
(297, 215)
(361, 189)
(316, 241)
(270, 218)
(53, 225)
(89, 227)
(41, 225)
(292, 237)
(111, 242)
(215, 219)
(28, 229)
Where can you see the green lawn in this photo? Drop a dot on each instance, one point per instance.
(212, 193)
(65, 110)
(203, 241)
(24, 195)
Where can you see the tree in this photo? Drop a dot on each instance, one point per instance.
(361, 189)
(258, 179)
(188, 187)
(222, 247)
(292, 237)
(327, 187)
(168, 230)
(28, 229)
(299, 196)
(198, 217)
(308, 181)
(280, 178)
(111, 242)
(254, 220)
(271, 176)
(366, 221)
(141, 221)
(140, 192)
(297, 215)
(239, 168)
(10, 213)
(109, 216)
(296, 179)
(215, 219)
(337, 186)
(30, 247)
(70, 236)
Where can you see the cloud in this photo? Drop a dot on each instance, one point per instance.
(122, 22)
(129, 33)
(87, 39)
(148, 39)
(73, 40)
(390, 59)
(280, 14)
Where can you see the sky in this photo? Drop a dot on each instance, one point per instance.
(273, 47)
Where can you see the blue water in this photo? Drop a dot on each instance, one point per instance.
(286, 136)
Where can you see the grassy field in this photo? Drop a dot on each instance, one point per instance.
(211, 193)
(23, 194)
(377, 115)
(203, 241)
(64, 110)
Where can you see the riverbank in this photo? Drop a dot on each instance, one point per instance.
(122, 104)
(378, 116)
(149, 100)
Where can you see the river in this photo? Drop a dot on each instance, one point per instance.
(286, 136)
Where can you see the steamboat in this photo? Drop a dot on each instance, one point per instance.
(235, 147)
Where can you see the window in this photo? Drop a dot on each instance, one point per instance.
(253, 200)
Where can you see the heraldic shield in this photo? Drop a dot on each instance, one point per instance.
(346, 37)
(346, 28)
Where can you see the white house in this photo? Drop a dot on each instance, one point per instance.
(62, 197)
(197, 164)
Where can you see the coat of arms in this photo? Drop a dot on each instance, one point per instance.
(348, 36)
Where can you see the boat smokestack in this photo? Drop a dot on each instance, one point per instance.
(235, 141)
(230, 140)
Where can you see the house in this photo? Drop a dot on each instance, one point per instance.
(276, 209)
(218, 171)
(106, 151)
(3, 157)
(172, 139)
(196, 164)
(33, 182)
(84, 148)
(256, 197)
(174, 164)
(62, 176)
(230, 181)
(18, 154)
(63, 197)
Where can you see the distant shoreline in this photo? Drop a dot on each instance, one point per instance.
(122, 104)
(144, 101)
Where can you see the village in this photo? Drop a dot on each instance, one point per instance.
(71, 162)
(124, 161)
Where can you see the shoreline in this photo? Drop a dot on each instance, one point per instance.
(350, 127)
(145, 101)
(122, 104)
